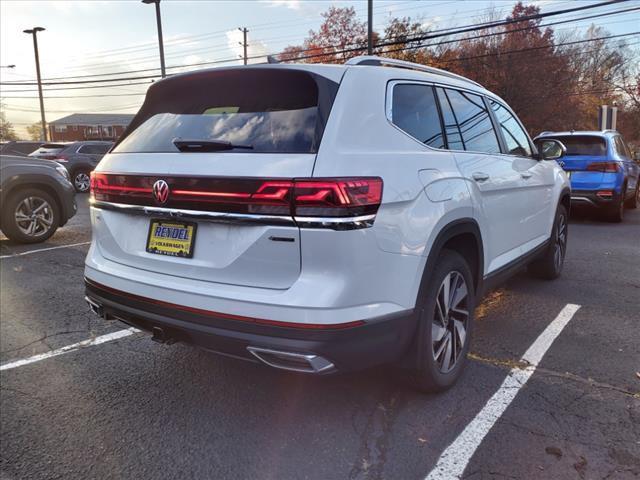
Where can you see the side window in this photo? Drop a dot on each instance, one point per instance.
(454, 138)
(621, 148)
(414, 111)
(514, 135)
(473, 121)
(85, 149)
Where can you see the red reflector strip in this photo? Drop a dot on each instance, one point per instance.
(605, 193)
(210, 313)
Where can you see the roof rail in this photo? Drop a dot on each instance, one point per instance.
(391, 62)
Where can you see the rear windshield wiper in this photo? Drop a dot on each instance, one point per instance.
(207, 145)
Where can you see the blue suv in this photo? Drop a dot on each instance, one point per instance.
(602, 171)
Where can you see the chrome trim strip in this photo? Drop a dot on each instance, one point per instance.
(332, 223)
(347, 223)
(216, 217)
(584, 199)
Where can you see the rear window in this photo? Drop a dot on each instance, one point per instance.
(584, 145)
(254, 110)
(48, 149)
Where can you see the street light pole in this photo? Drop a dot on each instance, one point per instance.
(370, 27)
(33, 32)
(160, 41)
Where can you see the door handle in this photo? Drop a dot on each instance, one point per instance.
(526, 175)
(480, 176)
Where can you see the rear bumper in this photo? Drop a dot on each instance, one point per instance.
(348, 346)
(591, 199)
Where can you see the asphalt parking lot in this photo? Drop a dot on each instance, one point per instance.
(126, 407)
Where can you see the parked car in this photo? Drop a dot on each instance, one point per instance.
(80, 158)
(322, 218)
(19, 148)
(603, 172)
(48, 151)
(36, 197)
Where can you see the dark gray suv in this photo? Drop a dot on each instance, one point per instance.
(80, 158)
(36, 197)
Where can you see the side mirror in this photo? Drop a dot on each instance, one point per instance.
(550, 149)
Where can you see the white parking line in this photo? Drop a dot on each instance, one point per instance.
(44, 250)
(70, 348)
(455, 458)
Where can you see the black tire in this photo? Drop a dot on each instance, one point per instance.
(80, 179)
(431, 374)
(633, 202)
(47, 217)
(549, 265)
(615, 213)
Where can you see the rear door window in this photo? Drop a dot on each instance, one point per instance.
(474, 122)
(255, 111)
(414, 110)
(514, 135)
(452, 131)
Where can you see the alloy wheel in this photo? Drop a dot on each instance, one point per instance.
(82, 181)
(34, 216)
(450, 321)
(560, 244)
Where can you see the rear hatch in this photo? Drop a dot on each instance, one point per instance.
(209, 159)
(583, 151)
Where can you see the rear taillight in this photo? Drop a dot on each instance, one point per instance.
(300, 197)
(606, 167)
(342, 197)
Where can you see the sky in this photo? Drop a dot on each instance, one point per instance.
(89, 37)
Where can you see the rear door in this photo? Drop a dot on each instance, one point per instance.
(222, 146)
(536, 177)
(472, 138)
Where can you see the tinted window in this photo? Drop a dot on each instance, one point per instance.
(268, 110)
(514, 135)
(473, 121)
(621, 148)
(415, 112)
(584, 145)
(454, 139)
(94, 149)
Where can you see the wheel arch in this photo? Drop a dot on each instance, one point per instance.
(462, 236)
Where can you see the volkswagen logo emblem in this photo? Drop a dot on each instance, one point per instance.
(161, 192)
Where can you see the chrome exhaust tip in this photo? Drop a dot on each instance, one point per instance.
(294, 362)
(95, 307)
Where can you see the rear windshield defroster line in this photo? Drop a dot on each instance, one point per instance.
(273, 110)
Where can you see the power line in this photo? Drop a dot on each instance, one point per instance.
(404, 41)
(433, 34)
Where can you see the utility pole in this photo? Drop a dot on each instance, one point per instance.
(160, 41)
(33, 32)
(370, 27)
(244, 43)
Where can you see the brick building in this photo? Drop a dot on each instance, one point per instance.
(88, 126)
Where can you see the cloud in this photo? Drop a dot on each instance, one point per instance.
(290, 4)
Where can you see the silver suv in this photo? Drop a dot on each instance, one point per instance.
(322, 218)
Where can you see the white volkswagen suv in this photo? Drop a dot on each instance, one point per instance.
(322, 218)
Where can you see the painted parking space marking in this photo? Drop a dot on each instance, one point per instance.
(109, 337)
(43, 250)
(456, 456)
